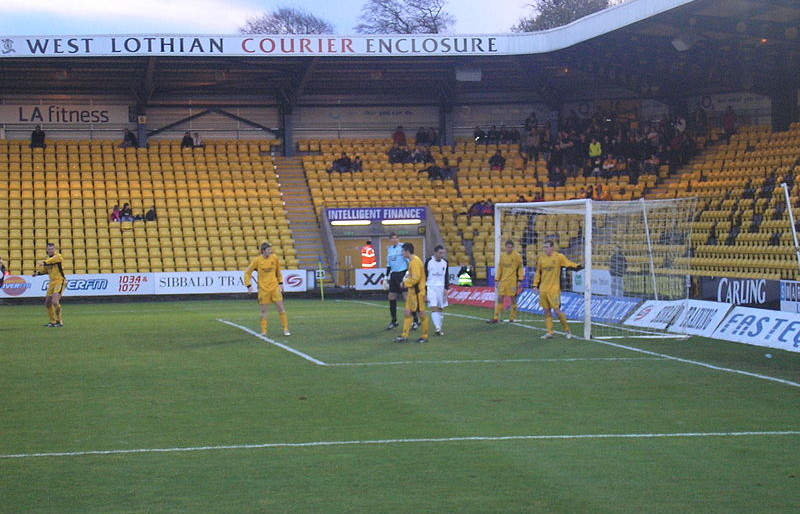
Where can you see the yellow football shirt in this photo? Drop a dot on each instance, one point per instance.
(548, 271)
(54, 267)
(510, 268)
(269, 273)
(415, 277)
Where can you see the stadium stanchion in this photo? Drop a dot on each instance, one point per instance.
(321, 279)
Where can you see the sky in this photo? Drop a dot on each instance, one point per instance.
(100, 17)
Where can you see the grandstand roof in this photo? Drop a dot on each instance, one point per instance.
(730, 45)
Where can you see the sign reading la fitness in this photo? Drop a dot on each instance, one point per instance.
(129, 284)
(376, 213)
(62, 114)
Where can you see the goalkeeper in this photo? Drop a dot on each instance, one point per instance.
(547, 282)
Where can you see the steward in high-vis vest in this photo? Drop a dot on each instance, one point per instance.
(464, 277)
(368, 259)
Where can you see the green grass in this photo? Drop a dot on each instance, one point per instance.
(169, 375)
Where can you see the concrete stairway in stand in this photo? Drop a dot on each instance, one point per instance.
(300, 211)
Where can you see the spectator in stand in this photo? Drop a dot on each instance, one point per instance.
(520, 162)
(538, 197)
(476, 209)
(433, 137)
(397, 154)
(115, 215)
(3, 272)
(129, 140)
(493, 136)
(358, 165)
(497, 162)
(532, 143)
(480, 136)
(609, 166)
(37, 137)
(531, 122)
(422, 137)
(581, 194)
(445, 170)
(342, 165)
(187, 141)
(602, 193)
(589, 192)
(505, 134)
(488, 208)
(151, 214)
(557, 177)
(699, 121)
(126, 213)
(729, 120)
(595, 149)
(197, 141)
(399, 136)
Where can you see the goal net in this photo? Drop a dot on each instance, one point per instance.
(632, 252)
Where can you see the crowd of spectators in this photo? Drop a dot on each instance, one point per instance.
(345, 164)
(126, 214)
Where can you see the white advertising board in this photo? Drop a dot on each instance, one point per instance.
(49, 114)
(601, 281)
(123, 284)
(759, 327)
(369, 279)
(656, 314)
(700, 318)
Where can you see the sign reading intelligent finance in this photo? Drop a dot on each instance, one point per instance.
(376, 214)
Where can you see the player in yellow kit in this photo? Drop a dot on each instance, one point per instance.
(53, 266)
(508, 278)
(270, 284)
(547, 282)
(415, 298)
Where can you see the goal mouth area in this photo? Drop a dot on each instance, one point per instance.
(624, 265)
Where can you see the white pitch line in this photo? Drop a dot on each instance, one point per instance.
(402, 441)
(273, 342)
(646, 352)
(490, 361)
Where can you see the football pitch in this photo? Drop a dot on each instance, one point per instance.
(184, 407)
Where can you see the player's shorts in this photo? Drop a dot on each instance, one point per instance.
(396, 281)
(550, 299)
(415, 300)
(507, 288)
(267, 297)
(56, 287)
(437, 297)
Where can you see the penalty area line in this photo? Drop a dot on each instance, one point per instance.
(640, 350)
(495, 361)
(420, 440)
(274, 343)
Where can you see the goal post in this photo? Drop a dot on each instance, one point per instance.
(631, 252)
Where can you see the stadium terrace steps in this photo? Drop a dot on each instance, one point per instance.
(300, 213)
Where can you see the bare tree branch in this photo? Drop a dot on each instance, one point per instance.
(548, 14)
(404, 17)
(286, 20)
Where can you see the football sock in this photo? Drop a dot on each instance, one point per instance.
(513, 314)
(263, 325)
(424, 326)
(57, 309)
(498, 308)
(406, 326)
(563, 319)
(393, 310)
(51, 312)
(548, 323)
(284, 321)
(437, 320)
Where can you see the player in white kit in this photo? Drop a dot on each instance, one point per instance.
(438, 282)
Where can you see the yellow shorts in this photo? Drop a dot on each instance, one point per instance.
(267, 297)
(56, 287)
(507, 288)
(550, 299)
(415, 301)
